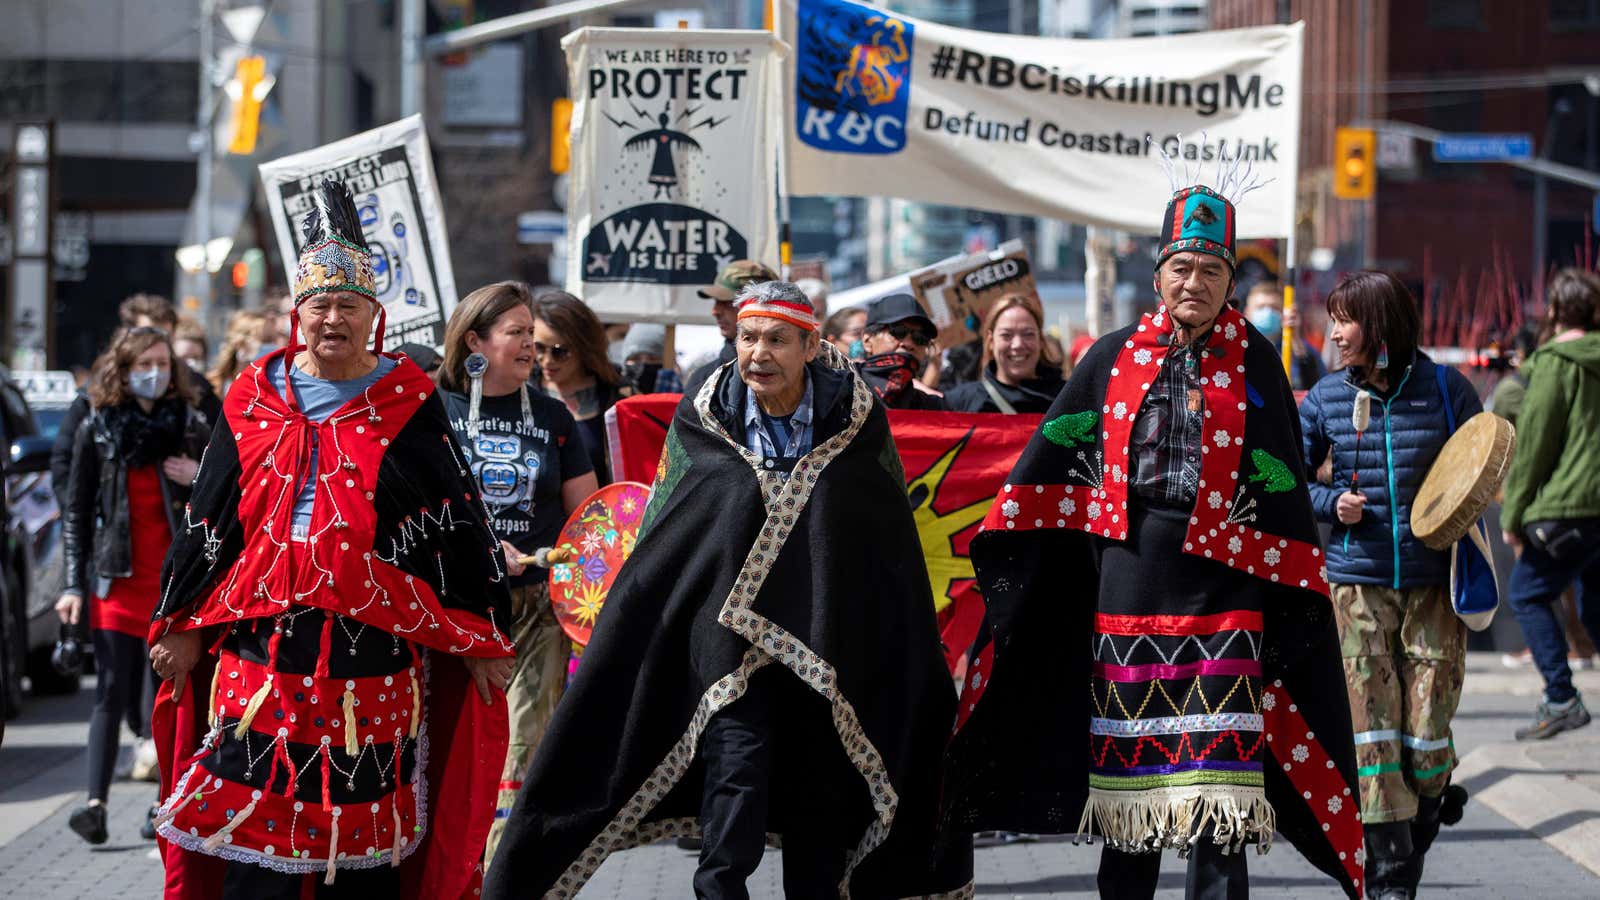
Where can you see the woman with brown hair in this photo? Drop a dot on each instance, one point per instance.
(569, 347)
(532, 471)
(1404, 648)
(1018, 373)
(244, 343)
(133, 460)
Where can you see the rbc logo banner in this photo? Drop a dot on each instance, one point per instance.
(852, 77)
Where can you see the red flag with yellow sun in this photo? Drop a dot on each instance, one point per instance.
(955, 463)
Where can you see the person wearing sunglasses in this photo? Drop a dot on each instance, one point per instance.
(899, 339)
(569, 349)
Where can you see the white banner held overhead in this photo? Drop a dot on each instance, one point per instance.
(880, 104)
(390, 174)
(674, 155)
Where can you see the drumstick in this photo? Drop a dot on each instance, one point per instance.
(551, 557)
(1361, 418)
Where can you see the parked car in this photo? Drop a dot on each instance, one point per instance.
(31, 406)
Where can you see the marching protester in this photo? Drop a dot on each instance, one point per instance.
(336, 570)
(1551, 511)
(133, 457)
(898, 339)
(845, 330)
(730, 281)
(569, 349)
(1018, 375)
(189, 344)
(1152, 571)
(644, 363)
(1263, 306)
(137, 311)
(1506, 401)
(1404, 647)
(738, 686)
(244, 343)
(532, 472)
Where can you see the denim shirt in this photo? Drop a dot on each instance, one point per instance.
(759, 442)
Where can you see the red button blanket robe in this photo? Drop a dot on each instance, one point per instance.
(320, 742)
(1148, 675)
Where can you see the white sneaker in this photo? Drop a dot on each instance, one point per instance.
(146, 767)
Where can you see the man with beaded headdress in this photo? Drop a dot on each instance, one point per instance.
(1159, 664)
(337, 574)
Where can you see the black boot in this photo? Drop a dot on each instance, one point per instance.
(1388, 855)
(1424, 828)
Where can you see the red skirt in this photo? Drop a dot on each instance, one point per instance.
(131, 601)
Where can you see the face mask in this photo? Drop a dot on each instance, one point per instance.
(1269, 322)
(148, 383)
(858, 350)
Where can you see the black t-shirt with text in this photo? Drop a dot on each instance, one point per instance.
(520, 465)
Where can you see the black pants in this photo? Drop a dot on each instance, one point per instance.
(247, 881)
(122, 679)
(737, 749)
(1213, 874)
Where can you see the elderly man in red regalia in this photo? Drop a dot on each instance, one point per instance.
(337, 573)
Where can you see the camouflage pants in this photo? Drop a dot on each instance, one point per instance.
(531, 696)
(1404, 657)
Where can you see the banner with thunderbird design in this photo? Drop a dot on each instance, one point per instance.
(674, 161)
(881, 104)
(955, 464)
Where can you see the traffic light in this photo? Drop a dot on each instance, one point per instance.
(1355, 165)
(248, 88)
(560, 136)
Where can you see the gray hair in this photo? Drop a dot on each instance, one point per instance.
(764, 291)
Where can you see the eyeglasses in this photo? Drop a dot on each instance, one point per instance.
(900, 332)
(554, 351)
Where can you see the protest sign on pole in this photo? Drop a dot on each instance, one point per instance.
(675, 138)
(390, 174)
(881, 104)
(959, 291)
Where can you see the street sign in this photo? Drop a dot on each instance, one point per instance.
(1475, 148)
(1396, 152)
(541, 227)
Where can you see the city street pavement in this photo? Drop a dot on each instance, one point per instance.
(1532, 829)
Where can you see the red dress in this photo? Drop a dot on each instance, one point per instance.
(129, 604)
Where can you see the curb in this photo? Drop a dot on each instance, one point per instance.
(1551, 803)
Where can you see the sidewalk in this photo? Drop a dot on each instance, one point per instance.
(1531, 830)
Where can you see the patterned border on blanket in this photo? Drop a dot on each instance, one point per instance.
(785, 498)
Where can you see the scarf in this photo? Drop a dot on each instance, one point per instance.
(144, 439)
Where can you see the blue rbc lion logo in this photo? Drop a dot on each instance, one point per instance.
(853, 77)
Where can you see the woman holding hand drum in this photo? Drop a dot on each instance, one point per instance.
(532, 470)
(1403, 647)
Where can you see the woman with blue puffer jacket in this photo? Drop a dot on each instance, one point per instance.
(1404, 649)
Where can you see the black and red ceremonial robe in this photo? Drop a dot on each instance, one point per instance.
(1023, 757)
(399, 567)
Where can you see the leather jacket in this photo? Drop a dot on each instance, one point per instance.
(96, 514)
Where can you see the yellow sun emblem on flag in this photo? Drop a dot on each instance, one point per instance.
(937, 532)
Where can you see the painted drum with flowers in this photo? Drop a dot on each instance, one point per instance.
(597, 539)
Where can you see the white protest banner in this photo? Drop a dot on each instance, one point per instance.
(674, 158)
(390, 174)
(880, 104)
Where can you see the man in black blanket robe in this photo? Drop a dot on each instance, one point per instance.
(767, 662)
(1159, 664)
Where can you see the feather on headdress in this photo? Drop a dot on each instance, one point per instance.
(335, 255)
(1199, 218)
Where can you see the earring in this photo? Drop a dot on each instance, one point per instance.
(476, 364)
(1383, 355)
